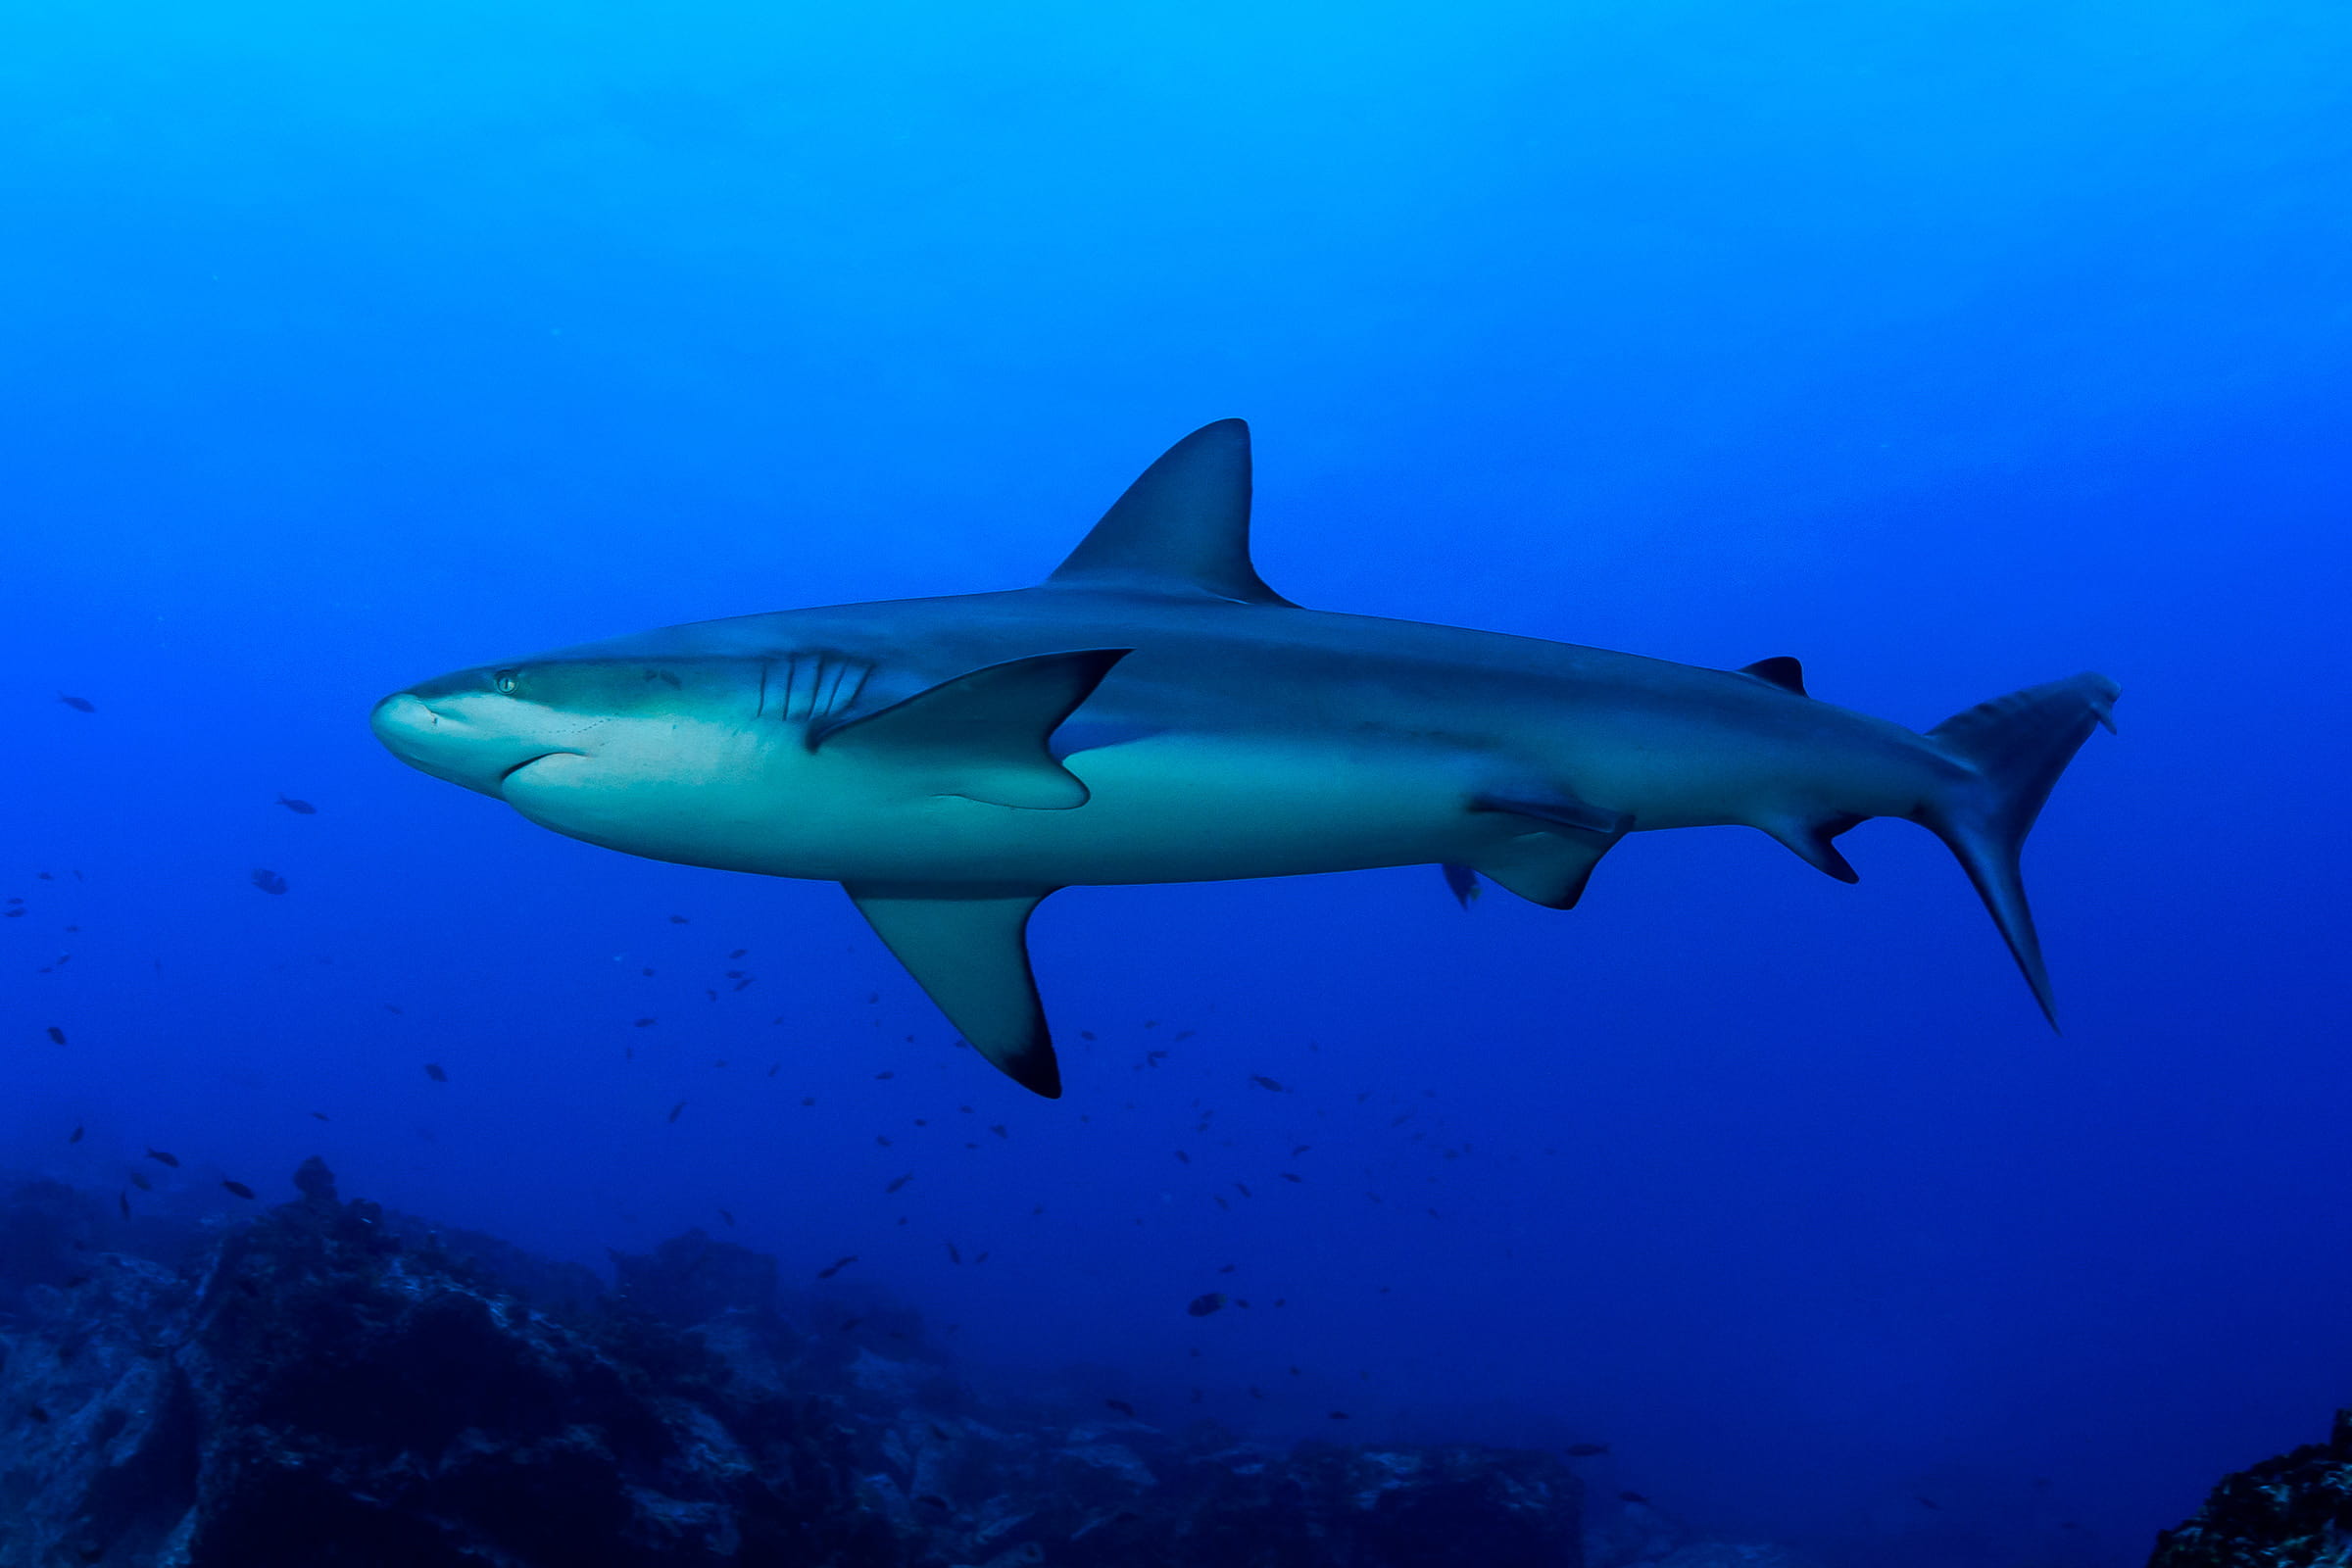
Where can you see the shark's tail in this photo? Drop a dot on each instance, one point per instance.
(2016, 746)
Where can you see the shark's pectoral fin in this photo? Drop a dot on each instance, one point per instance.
(983, 735)
(965, 947)
(1546, 869)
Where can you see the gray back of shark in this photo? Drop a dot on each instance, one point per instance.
(1154, 713)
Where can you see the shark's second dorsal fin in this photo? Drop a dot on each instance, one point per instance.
(1779, 671)
(1183, 527)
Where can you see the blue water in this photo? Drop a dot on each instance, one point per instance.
(1951, 347)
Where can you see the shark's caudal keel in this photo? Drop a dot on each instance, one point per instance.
(1154, 713)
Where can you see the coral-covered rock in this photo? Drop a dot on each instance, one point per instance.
(324, 1387)
(2294, 1511)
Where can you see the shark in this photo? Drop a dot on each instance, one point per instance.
(1153, 712)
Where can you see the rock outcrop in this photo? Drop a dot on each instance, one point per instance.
(330, 1387)
(2294, 1511)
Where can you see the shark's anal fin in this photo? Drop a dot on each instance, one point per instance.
(1810, 840)
(1183, 527)
(1462, 883)
(966, 948)
(1779, 671)
(983, 735)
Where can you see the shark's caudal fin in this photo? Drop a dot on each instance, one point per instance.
(1183, 527)
(967, 949)
(2016, 746)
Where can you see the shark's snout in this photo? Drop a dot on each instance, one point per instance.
(450, 743)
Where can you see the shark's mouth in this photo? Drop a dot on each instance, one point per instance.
(528, 760)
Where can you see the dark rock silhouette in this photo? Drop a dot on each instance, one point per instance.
(2294, 1511)
(327, 1387)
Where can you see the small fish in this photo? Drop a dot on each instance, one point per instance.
(997, 1128)
(1202, 1305)
(435, 1071)
(886, 1073)
(729, 1218)
(79, 705)
(238, 1188)
(76, 1138)
(139, 1180)
(267, 880)
(1927, 1502)
(1301, 1149)
(298, 807)
(40, 1416)
(1182, 1156)
(162, 1159)
(897, 1182)
(836, 1266)
(1122, 1407)
(1290, 1176)
(1631, 1497)
(1340, 1415)
(679, 920)
(1086, 1034)
(123, 1203)
(849, 1323)
(1229, 1268)
(641, 1024)
(954, 1256)
(1265, 1082)
(883, 1139)
(1186, 1034)
(57, 1036)
(676, 1110)
(1584, 1451)
(319, 1115)
(1243, 1188)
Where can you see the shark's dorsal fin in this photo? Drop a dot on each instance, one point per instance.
(1183, 527)
(983, 735)
(966, 948)
(1779, 671)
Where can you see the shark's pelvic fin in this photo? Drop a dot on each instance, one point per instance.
(1558, 808)
(1183, 527)
(1779, 671)
(1462, 883)
(983, 735)
(965, 947)
(1546, 869)
(2016, 746)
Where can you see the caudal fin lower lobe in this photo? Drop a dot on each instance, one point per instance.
(2016, 746)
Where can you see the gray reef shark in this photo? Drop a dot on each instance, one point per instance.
(1154, 712)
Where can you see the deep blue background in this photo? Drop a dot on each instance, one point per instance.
(1949, 346)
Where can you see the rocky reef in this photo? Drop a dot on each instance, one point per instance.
(2294, 1511)
(326, 1385)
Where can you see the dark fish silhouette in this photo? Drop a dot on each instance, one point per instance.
(162, 1159)
(298, 807)
(836, 1266)
(1631, 1497)
(1265, 1082)
(434, 1071)
(729, 1218)
(677, 1110)
(238, 1188)
(1202, 1305)
(1584, 1451)
(123, 1203)
(79, 705)
(954, 1256)
(267, 880)
(76, 1138)
(1122, 1407)
(57, 1036)
(897, 1182)
(139, 1180)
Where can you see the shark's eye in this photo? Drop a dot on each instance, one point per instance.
(504, 680)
